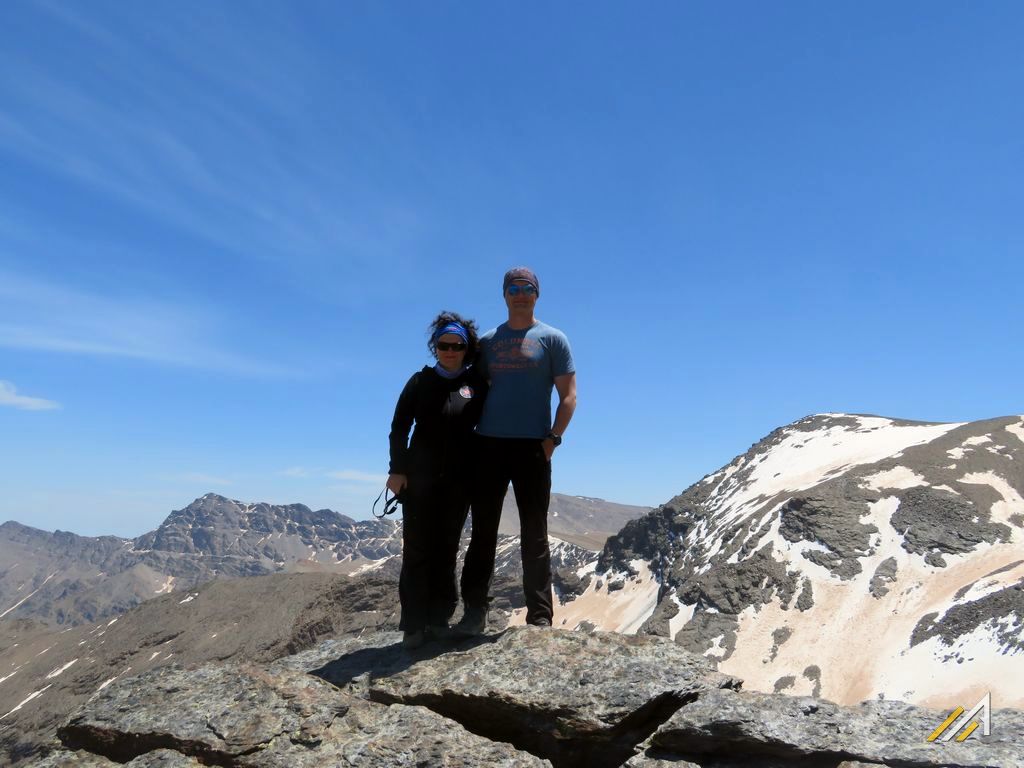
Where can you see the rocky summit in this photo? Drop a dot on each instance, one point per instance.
(524, 697)
(852, 557)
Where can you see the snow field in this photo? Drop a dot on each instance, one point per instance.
(623, 611)
(921, 675)
(805, 459)
(861, 643)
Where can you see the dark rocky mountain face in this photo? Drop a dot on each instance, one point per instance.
(269, 535)
(852, 556)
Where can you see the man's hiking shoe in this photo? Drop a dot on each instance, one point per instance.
(413, 639)
(541, 622)
(473, 623)
(438, 631)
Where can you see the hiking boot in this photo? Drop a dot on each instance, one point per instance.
(541, 622)
(473, 623)
(438, 631)
(413, 638)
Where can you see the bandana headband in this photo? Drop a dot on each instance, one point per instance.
(456, 328)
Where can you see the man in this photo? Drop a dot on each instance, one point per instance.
(524, 360)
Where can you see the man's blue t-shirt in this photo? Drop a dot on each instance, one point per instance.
(522, 366)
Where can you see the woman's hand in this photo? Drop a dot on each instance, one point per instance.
(397, 483)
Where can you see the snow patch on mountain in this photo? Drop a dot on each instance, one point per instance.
(897, 477)
(621, 603)
(1011, 503)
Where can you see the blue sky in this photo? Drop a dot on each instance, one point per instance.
(224, 227)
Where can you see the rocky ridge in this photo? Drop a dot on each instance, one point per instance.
(524, 697)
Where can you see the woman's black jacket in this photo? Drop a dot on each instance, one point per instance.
(445, 412)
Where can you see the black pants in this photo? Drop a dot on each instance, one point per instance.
(499, 461)
(433, 513)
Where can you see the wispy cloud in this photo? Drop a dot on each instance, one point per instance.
(189, 151)
(9, 396)
(298, 472)
(46, 316)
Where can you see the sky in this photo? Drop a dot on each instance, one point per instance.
(225, 227)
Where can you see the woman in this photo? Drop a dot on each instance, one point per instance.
(431, 474)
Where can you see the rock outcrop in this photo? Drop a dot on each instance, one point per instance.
(524, 697)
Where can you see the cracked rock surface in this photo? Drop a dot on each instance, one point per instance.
(579, 698)
(521, 698)
(244, 715)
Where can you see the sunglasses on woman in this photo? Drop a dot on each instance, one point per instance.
(515, 290)
(450, 346)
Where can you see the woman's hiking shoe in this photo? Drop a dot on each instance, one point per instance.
(472, 624)
(413, 639)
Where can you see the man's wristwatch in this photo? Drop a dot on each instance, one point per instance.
(556, 439)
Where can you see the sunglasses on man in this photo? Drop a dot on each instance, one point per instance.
(515, 290)
(450, 346)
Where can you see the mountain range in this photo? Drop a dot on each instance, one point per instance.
(843, 558)
(65, 579)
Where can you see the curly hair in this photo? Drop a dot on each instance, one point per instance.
(439, 322)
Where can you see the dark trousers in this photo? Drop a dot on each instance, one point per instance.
(433, 513)
(499, 461)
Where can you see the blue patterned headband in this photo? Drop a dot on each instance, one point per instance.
(457, 328)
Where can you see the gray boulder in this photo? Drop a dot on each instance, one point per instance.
(760, 726)
(246, 715)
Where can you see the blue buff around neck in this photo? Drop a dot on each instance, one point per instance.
(445, 373)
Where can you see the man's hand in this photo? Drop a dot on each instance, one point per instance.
(397, 483)
(549, 447)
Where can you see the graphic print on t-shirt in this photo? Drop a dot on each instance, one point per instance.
(515, 354)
